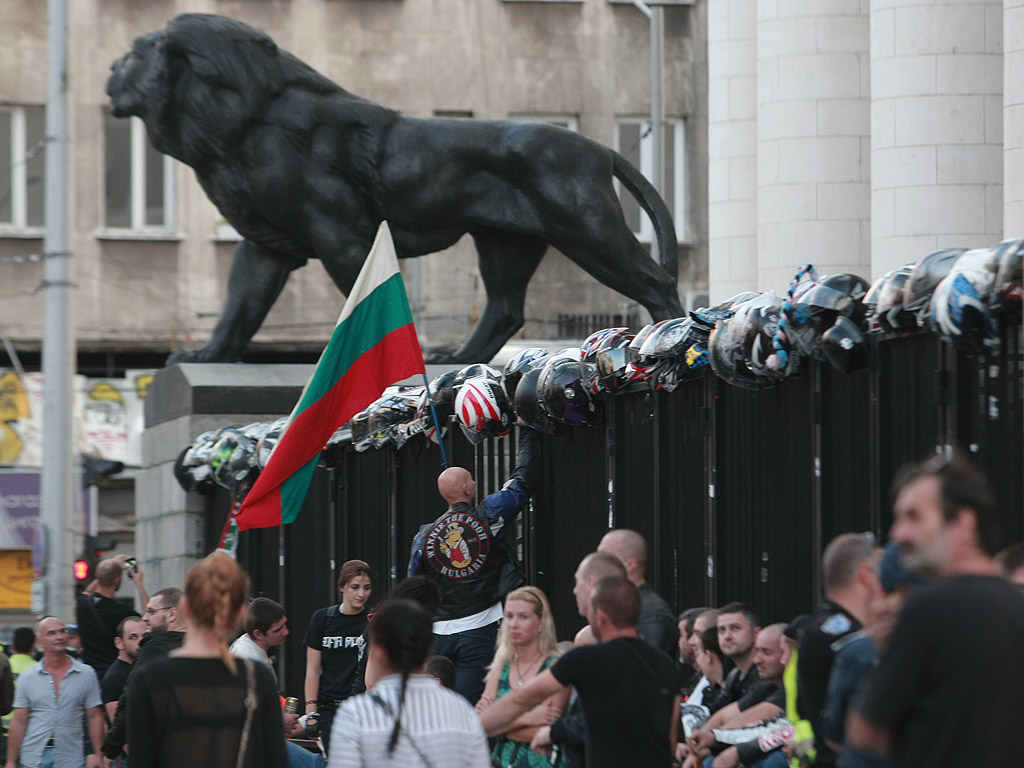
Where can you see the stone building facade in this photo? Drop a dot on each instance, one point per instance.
(859, 135)
(151, 253)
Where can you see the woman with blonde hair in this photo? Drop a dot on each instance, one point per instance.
(526, 646)
(200, 706)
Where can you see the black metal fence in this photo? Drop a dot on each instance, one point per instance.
(736, 491)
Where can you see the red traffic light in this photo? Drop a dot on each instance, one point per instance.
(81, 570)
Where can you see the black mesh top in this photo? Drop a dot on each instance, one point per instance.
(185, 711)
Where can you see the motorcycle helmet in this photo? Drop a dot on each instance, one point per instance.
(483, 409)
(959, 306)
(528, 406)
(610, 359)
(518, 364)
(726, 357)
(844, 347)
(266, 444)
(475, 371)
(925, 276)
(1007, 289)
(817, 309)
(588, 357)
(565, 397)
(889, 311)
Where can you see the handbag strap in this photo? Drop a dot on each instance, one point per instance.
(250, 708)
(391, 713)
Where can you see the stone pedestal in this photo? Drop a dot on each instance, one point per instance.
(183, 402)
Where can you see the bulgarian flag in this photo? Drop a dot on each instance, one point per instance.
(373, 346)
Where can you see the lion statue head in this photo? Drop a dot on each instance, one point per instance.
(201, 81)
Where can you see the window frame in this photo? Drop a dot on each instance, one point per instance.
(18, 225)
(138, 228)
(676, 127)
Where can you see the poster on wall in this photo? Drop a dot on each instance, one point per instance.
(107, 417)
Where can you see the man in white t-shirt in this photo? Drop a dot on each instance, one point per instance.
(266, 626)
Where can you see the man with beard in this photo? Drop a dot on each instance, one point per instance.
(167, 626)
(738, 625)
(947, 690)
(129, 634)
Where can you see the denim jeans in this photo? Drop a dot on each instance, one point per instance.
(299, 757)
(470, 651)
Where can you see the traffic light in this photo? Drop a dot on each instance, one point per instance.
(81, 570)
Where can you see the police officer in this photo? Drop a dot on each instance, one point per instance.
(468, 554)
(848, 572)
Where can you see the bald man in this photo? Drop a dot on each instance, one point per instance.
(468, 553)
(98, 614)
(657, 623)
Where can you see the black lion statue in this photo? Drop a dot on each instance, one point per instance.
(304, 169)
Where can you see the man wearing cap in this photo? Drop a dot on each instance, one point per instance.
(49, 703)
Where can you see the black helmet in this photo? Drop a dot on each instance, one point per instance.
(726, 355)
(440, 392)
(835, 296)
(565, 397)
(528, 407)
(843, 346)
(924, 277)
(521, 362)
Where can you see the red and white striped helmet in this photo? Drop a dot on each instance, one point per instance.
(481, 405)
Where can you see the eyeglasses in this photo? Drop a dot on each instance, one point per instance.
(151, 611)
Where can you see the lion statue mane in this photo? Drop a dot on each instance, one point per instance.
(304, 169)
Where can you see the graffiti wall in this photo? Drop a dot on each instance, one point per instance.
(107, 417)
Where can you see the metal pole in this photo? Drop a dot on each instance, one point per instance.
(57, 500)
(653, 13)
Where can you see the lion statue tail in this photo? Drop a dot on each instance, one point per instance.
(649, 199)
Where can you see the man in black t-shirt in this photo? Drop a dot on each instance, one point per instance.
(629, 691)
(947, 689)
(129, 634)
(98, 613)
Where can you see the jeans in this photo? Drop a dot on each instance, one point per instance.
(299, 757)
(470, 651)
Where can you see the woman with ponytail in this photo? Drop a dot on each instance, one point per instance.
(200, 706)
(407, 718)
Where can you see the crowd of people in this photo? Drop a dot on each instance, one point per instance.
(460, 662)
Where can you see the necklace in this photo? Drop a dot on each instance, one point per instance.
(519, 674)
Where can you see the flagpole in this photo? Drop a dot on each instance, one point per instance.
(433, 412)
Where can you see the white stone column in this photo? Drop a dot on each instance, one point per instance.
(732, 147)
(813, 138)
(1013, 118)
(936, 127)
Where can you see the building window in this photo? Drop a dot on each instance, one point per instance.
(139, 180)
(22, 168)
(633, 140)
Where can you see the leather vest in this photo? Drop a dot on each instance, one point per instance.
(464, 558)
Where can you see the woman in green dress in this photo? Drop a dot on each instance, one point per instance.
(526, 647)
